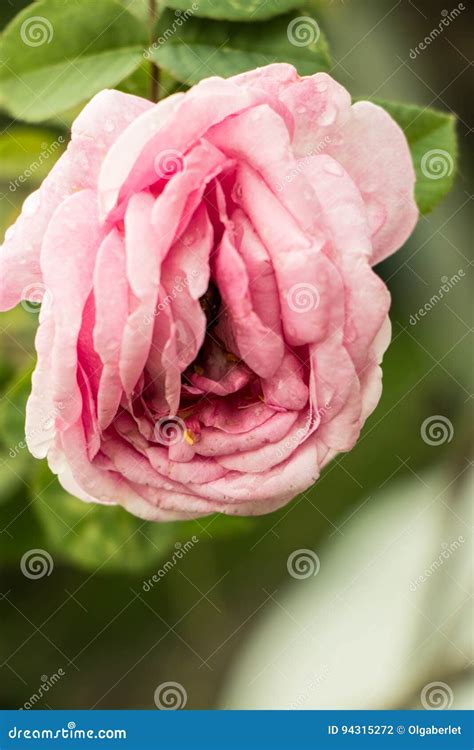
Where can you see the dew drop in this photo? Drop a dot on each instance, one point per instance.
(31, 204)
(327, 117)
(321, 85)
(301, 109)
(333, 167)
(9, 234)
(109, 126)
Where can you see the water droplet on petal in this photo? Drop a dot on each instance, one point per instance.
(333, 167)
(31, 204)
(301, 109)
(9, 234)
(109, 126)
(321, 85)
(327, 117)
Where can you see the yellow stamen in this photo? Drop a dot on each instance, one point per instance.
(189, 437)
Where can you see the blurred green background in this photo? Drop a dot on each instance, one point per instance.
(223, 613)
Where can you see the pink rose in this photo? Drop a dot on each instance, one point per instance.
(212, 328)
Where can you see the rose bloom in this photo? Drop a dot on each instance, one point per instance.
(211, 327)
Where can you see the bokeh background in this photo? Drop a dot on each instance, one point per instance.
(388, 611)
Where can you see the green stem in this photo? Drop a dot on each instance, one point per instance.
(154, 69)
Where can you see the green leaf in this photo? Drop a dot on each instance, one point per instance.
(139, 8)
(138, 83)
(59, 54)
(431, 136)
(27, 155)
(235, 10)
(12, 412)
(9, 9)
(201, 48)
(91, 535)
